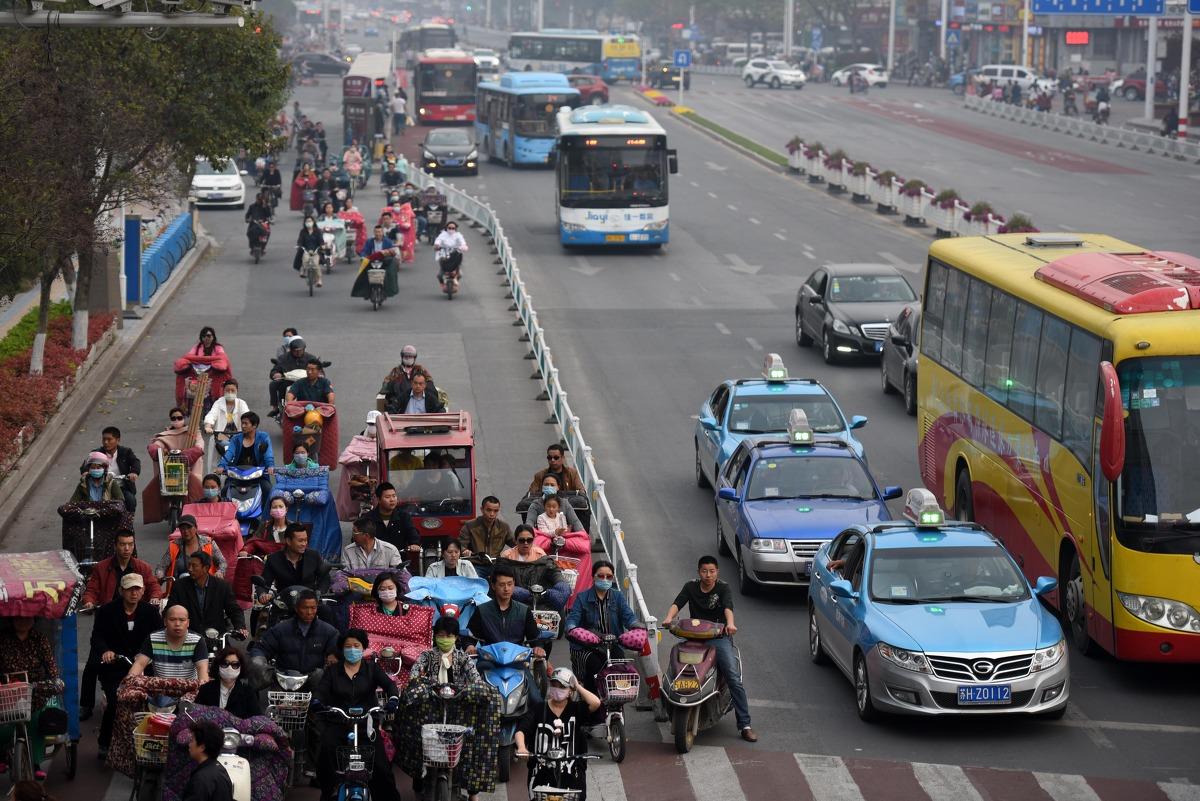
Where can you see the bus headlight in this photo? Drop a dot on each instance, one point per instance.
(1164, 612)
(655, 226)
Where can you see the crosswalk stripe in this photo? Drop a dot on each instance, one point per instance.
(828, 778)
(712, 775)
(1066, 787)
(604, 781)
(1180, 792)
(945, 782)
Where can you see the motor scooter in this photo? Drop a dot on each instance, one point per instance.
(694, 694)
(355, 761)
(237, 767)
(449, 270)
(505, 666)
(376, 278)
(261, 232)
(441, 750)
(287, 705)
(243, 488)
(328, 249)
(558, 759)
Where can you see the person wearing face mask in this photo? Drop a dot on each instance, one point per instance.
(300, 460)
(230, 691)
(122, 461)
(537, 505)
(308, 242)
(351, 682)
(601, 609)
(97, 484)
(567, 707)
(222, 420)
(212, 489)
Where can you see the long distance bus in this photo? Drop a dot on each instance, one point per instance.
(415, 39)
(612, 57)
(1059, 406)
(444, 87)
(365, 93)
(515, 117)
(612, 164)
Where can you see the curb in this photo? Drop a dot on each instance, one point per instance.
(85, 394)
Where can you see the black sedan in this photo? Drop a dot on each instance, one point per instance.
(849, 308)
(320, 64)
(898, 363)
(449, 150)
(665, 75)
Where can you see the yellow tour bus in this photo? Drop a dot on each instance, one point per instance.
(1059, 407)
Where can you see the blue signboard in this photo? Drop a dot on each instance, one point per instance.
(1194, 6)
(817, 39)
(683, 59)
(953, 38)
(1136, 7)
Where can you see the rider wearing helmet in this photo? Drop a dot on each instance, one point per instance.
(563, 716)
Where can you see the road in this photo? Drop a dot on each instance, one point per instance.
(640, 339)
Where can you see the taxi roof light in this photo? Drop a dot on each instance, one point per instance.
(773, 368)
(921, 507)
(799, 431)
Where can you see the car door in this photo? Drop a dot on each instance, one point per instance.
(893, 351)
(733, 475)
(833, 609)
(710, 442)
(814, 305)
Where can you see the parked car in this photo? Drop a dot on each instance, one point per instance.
(320, 64)
(665, 75)
(371, 32)
(876, 74)
(592, 89)
(449, 150)
(957, 82)
(898, 362)
(849, 308)
(218, 187)
(773, 73)
(1133, 87)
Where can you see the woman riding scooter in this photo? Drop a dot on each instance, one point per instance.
(449, 248)
(259, 217)
(601, 609)
(308, 242)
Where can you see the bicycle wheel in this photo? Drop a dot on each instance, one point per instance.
(22, 764)
(72, 759)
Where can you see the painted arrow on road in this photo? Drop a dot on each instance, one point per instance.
(739, 265)
(584, 267)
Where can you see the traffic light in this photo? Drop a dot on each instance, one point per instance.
(677, 26)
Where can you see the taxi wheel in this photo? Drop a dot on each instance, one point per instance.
(746, 585)
(722, 545)
(816, 648)
(701, 479)
(862, 691)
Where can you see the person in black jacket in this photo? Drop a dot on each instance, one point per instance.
(393, 524)
(293, 566)
(272, 182)
(294, 358)
(229, 690)
(422, 397)
(209, 601)
(120, 628)
(123, 461)
(310, 239)
(302, 643)
(209, 781)
(260, 211)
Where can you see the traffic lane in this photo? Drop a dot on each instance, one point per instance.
(636, 376)
(946, 146)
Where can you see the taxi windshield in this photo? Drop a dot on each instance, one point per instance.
(432, 480)
(809, 477)
(967, 574)
(768, 414)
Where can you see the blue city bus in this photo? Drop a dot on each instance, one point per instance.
(613, 57)
(611, 164)
(514, 117)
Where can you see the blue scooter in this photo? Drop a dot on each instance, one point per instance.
(505, 666)
(243, 487)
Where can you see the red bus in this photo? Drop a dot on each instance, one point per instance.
(444, 87)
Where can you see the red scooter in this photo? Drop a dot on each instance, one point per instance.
(694, 694)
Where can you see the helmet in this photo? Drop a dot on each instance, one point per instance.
(296, 342)
(563, 676)
(408, 350)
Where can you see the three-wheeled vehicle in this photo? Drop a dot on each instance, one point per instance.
(46, 586)
(430, 459)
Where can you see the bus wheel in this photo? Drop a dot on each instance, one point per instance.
(964, 500)
(1074, 609)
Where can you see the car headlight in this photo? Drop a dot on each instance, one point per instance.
(1046, 658)
(909, 660)
(768, 546)
(841, 327)
(1164, 612)
(474, 154)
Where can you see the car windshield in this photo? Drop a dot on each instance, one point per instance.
(485, 53)
(779, 65)
(809, 477)
(1159, 499)
(448, 138)
(870, 289)
(766, 414)
(205, 167)
(432, 480)
(969, 574)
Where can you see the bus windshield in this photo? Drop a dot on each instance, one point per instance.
(582, 50)
(1159, 496)
(601, 177)
(534, 114)
(437, 38)
(451, 84)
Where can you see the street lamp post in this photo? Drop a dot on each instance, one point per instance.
(942, 29)
(1185, 75)
(1151, 75)
(1025, 35)
(891, 53)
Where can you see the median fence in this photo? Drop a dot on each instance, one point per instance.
(148, 269)
(605, 523)
(1144, 141)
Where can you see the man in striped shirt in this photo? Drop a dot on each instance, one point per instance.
(174, 652)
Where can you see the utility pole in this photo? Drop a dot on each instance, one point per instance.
(891, 53)
(1151, 73)
(540, 22)
(1185, 75)
(1025, 34)
(487, 15)
(789, 25)
(942, 29)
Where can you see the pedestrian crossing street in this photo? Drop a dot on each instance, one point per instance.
(654, 772)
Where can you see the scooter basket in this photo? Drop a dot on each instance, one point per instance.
(554, 794)
(569, 567)
(289, 710)
(621, 682)
(174, 471)
(16, 702)
(150, 743)
(442, 744)
(547, 620)
(376, 276)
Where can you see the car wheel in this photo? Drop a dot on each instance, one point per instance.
(1074, 607)
(910, 394)
(746, 585)
(816, 648)
(701, 479)
(776, 83)
(836, 81)
(749, 82)
(827, 351)
(802, 339)
(888, 389)
(722, 545)
(1131, 93)
(964, 499)
(598, 100)
(862, 691)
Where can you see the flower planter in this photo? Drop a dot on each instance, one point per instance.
(835, 177)
(815, 167)
(860, 188)
(962, 225)
(796, 161)
(914, 207)
(884, 196)
(942, 219)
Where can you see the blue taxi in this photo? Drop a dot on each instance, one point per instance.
(928, 617)
(748, 407)
(780, 498)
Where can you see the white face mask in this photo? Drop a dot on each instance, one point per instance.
(231, 396)
(387, 596)
(230, 673)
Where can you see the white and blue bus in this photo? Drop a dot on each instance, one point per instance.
(612, 164)
(515, 116)
(613, 57)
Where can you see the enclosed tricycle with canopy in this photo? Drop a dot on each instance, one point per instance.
(430, 460)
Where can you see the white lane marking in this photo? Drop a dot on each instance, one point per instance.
(699, 304)
(731, 207)
(1025, 171)
(714, 166)
(1122, 725)
(945, 782)
(768, 703)
(1094, 733)
(1173, 791)
(713, 195)
(806, 246)
(674, 277)
(604, 782)
(810, 255)
(739, 265)
(828, 778)
(695, 184)
(724, 329)
(752, 342)
(753, 221)
(711, 774)
(893, 258)
(1066, 787)
(780, 237)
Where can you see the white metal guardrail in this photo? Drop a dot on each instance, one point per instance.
(1144, 141)
(605, 523)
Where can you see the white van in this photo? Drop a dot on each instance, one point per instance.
(736, 50)
(1010, 74)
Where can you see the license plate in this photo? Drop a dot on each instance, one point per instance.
(614, 238)
(215, 196)
(453, 162)
(984, 694)
(686, 685)
(879, 347)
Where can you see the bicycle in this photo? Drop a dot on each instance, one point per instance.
(149, 759)
(16, 709)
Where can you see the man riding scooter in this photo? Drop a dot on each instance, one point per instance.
(377, 248)
(449, 248)
(296, 359)
(303, 644)
(259, 217)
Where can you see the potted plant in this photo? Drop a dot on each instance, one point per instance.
(978, 218)
(860, 179)
(916, 195)
(1018, 224)
(835, 170)
(944, 212)
(814, 165)
(795, 151)
(885, 192)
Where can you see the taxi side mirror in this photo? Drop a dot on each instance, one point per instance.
(708, 423)
(891, 493)
(843, 589)
(1044, 585)
(727, 494)
(858, 421)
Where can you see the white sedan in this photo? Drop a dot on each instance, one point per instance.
(875, 74)
(222, 187)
